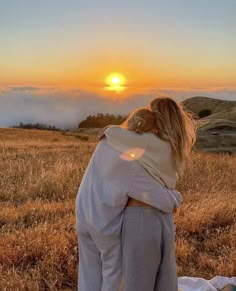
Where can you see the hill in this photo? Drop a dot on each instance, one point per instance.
(217, 124)
(223, 120)
(198, 103)
(229, 114)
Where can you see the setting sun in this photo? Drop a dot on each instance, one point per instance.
(115, 82)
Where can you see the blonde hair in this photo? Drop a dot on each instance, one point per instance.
(140, 120)
(177, 126)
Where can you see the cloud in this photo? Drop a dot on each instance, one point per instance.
(66, 107)
(24, 88)
(183, 93)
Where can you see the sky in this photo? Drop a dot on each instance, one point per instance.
(50, 49)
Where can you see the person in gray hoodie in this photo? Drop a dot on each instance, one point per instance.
(109, 181)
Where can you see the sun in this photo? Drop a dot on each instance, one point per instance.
(115, 82)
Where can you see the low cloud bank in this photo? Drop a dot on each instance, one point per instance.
(65, 108)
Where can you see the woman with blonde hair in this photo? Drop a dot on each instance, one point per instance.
(111, 178)
(160, 139)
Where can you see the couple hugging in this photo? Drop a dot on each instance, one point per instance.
(126, 201)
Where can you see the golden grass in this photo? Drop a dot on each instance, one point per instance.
(39, 180)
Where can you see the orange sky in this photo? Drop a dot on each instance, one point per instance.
(152, 45)
(140, 73)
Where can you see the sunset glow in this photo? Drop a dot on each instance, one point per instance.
(115, 82)
(150, 47)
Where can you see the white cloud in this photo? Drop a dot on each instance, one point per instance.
(65, 107)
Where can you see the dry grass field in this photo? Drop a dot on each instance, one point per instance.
(40, 173)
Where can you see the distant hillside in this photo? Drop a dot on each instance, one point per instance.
(223, 120)
(229, 114)
(218, 124)
(198, 103)
(101, 120)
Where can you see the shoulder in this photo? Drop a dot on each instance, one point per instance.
(155, 141)
(111, 128)
(115, 130)
(124, 139)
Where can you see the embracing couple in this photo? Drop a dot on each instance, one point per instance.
(126, 201)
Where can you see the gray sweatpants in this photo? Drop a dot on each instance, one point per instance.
(100, 261)
(148, 247)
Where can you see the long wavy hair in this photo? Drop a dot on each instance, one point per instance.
(171, 122)
(176, 126)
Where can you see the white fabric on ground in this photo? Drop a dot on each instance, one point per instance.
(220, 282)
(200, 284)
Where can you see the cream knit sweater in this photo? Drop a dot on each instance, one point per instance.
(153, 153)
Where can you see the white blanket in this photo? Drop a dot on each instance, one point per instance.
(199, 284)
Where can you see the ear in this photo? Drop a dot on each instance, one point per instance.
(139, 127)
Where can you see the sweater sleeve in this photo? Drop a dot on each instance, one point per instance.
(145, 188)
(123, 139)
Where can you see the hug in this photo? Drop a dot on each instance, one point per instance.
(127, 198)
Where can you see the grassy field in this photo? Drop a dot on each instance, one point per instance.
(40, 173)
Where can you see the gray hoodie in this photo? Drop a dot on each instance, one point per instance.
(108, 182)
